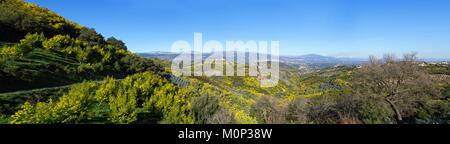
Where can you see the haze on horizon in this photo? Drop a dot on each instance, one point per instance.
(340, 28)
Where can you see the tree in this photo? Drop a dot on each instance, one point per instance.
(116, 43)
(401, 84)
(389, 58)
(132, 64)
(31, 41)
(91, 36)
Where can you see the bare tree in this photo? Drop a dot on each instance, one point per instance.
(389, 58)
(401, 84)
(373, 60)
(410, 57)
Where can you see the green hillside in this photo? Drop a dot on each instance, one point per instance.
(39, 48)
(54, 71)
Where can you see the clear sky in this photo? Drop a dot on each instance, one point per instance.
(342, 28)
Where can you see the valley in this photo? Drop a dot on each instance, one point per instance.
(55, 71)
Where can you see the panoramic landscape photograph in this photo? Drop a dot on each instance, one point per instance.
(225, 62)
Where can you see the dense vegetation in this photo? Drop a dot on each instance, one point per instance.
(78, 76)
(41, 49)
(138, 98)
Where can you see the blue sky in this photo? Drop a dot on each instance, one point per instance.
(341, 28)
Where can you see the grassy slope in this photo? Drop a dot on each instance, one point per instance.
(45, 67)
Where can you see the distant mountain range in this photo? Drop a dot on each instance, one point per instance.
(319, 59)
(159, 55)
(301, 59)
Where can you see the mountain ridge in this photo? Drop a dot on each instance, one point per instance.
(307, 58)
